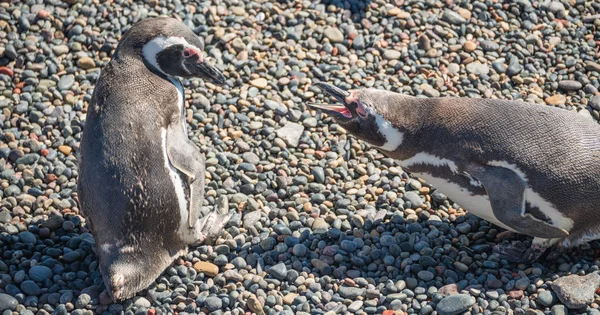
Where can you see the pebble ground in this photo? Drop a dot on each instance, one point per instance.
(324, 224)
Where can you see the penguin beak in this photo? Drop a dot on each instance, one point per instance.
(201, 68)
(339, 111)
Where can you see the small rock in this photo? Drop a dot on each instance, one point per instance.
(254, 305)
(291, 133)
(213, 303)
(40, 273)
(206, 268)
(30, 288)
(7, 302)
(557, 99)
(334, 35)
(453, 17)
(455, 304)
(278, 271)
(545, 298)
(260, 83)
(391, 54)
(570, 85)
(350, 293)
(576, 291)
(478, 68)
(86, 63)
(595, 102)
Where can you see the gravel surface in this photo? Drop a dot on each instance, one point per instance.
(325, 224)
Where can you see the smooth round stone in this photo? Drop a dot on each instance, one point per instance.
(66, 82)
(455, 304)
(30, 288)
(213, 303)
(545, 298)
(570, 85)
(7, 302)
(278, 271)
(391, 54)
(299, 250)
(425, 275)
(27, 237)
(40, 273)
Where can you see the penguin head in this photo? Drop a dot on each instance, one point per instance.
(127, 270)
(359, 112)
(169, 48)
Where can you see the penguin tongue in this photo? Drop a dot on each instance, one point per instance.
(341, 109)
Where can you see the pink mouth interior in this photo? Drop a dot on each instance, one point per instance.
(342, 110)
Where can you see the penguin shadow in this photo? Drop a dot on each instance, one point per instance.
(354, 6)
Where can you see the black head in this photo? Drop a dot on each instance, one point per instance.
(127, 270)
(357, 113)
(170, 48)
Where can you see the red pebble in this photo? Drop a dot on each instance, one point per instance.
(151, 311)
(7, 71)
(43, 14)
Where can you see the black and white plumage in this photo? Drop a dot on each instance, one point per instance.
(530, 169)
(141, 183)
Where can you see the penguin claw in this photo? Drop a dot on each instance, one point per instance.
(519, 253)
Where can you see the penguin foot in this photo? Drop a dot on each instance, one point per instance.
(519, 253)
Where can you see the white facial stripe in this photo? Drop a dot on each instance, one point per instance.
(180, 100)
(393, 137)
(535, 200)
(160, 43)
(429, 159)
(176, 180)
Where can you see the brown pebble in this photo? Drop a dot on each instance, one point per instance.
(557, 99)
(6, 71)
(516, 294)
(469, 46)
(206, 268)
(43, 14)
(65, 149)
(254, 305)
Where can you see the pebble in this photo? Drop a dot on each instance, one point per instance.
(278, 271)
(455, 304)
(40, 273)
(453, 17)
(570, 85)
(392, 54)
(213, 303)
(260, 83)
(334, 34)
(545, 298)
(350, 293)
(576, 291)
(206, 268)
(8, 302)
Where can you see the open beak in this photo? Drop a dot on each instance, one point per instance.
(204, 70)
(336, 110)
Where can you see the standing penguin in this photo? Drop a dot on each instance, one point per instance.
(530, 169)
(141, 183)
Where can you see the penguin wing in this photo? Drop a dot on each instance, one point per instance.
(187, 159)
(506, 191)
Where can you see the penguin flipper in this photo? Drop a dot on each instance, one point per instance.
(506, 191)
(187, 159)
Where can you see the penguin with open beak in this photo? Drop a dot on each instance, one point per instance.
(530, 169)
